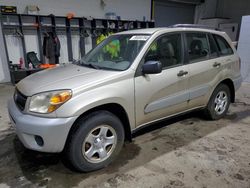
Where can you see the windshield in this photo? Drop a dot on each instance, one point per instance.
(117, 52)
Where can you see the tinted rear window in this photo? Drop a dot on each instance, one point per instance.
(223, 46)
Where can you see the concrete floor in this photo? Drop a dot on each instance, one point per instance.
(182, 152)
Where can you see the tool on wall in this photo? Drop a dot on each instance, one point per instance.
(33, 60)
(17, 33)
(84, 34)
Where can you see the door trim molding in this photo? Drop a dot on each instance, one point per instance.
(198, 91)
(176, 99)
(166, 102)
(141, 126)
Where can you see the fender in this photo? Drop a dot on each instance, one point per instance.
(100, 96)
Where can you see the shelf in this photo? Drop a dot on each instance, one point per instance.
(25, 70)
(11, 26)
(47, 26)
(61, 27)
(30, 26)
(86, 27)
(99, 28)
(4, 24)
(75, 18)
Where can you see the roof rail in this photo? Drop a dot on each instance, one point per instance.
(194, 26)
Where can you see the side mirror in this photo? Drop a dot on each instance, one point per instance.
(152, 67)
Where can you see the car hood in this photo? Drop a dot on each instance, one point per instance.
(68, 76)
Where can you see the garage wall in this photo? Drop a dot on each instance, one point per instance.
(223, 8)
(129, 9)
(205, 10)
(233, 9)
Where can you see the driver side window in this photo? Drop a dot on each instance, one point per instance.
(167, 49)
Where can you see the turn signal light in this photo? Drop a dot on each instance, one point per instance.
(60, 98)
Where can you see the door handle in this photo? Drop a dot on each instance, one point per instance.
(216, 64)
(182, 73)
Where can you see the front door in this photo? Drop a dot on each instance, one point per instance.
(166, 93)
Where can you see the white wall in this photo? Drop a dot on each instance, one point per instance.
(126, 9)
(4, 70)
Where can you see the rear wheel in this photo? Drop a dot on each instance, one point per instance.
(219, 103)
(95, 142)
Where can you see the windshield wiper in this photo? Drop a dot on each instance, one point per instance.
(92, 66)
(84, 63)
(75, 61)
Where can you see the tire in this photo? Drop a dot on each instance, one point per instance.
(218, 103)
(95, 141)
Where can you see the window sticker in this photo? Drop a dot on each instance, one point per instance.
(140, 37)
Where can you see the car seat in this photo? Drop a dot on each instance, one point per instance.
(167, 54)
(32, 58)
(195, 49)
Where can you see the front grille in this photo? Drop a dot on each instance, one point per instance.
(20, 99)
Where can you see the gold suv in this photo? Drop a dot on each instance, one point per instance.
(87, 109)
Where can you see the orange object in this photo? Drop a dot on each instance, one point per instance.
(70, 15)
(60, 98)
(36, 25)
(46, 66)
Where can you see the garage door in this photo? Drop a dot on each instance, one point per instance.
(169, 13)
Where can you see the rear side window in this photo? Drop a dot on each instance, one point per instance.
(223, 46)
(198, 48)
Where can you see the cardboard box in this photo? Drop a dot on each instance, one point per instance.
(32, 10)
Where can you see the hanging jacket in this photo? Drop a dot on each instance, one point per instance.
(57, 46)
(51, 46)
(44, 45)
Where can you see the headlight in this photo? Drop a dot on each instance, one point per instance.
(49, 101)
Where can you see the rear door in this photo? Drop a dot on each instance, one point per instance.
(204, 66)
(227, 57)
(163, 94)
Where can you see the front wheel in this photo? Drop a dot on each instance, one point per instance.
(95, 142)
(219, 103)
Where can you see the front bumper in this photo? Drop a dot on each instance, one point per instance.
(53, 131)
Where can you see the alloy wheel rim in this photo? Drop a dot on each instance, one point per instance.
(220, 102)
(99, 144)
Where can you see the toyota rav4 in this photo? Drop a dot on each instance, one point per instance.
(88, 108)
